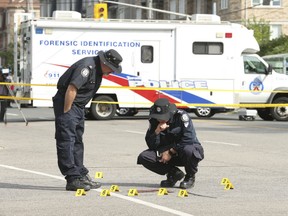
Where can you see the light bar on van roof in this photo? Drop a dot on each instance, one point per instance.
(221, 35)
(228, 35)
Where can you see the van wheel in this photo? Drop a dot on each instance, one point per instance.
(204, 112)
(280, 113)
(126, 112)
(265, 114)
(103, 111)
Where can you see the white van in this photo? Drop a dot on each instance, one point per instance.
(203, 65)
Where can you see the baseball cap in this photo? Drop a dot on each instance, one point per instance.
(112, 59)
(162, 109)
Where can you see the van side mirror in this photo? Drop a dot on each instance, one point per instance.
(269, 69)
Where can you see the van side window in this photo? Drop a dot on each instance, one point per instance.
(147, 54)
(253, 65)
(207, 48)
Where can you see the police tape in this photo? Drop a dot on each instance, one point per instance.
(180, 105)
(158, 88)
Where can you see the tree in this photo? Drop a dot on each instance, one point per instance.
(275, 46)
(8, 56)
(262, 34)
(261, 30)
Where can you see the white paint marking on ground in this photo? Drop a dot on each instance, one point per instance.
(131, 199)
(135, 132)
(222, 143)
(11, 114)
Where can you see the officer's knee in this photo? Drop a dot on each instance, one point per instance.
(140, 158)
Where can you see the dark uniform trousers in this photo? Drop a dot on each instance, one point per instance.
(69, 132)
(185, 157)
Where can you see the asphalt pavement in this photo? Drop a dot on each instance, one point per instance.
(251, 154)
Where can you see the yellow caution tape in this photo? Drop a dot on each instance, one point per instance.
(152, 88)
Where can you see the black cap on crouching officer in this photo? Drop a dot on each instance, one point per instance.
(162, 109)
(112, 59)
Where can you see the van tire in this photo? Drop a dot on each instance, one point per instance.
(126, 111)
(204, 112)
(280, 113)
(265, 114)
(102, 111)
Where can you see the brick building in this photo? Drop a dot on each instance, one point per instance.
(7, 10)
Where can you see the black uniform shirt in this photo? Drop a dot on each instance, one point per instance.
(181, 132)
(86, 76)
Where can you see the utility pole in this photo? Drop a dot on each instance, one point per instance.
(29, 6)
(150, 5)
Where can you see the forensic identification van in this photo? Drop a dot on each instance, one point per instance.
(203, 65)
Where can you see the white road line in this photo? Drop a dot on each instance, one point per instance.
(222, 143)
(11, 114)
(31, 171)
(136, 132)
(131, 199)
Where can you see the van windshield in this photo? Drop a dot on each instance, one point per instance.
(279, 64)
(253, 65)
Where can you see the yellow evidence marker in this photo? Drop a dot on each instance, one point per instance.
(80, 192)
(105, 192)
(98, 175)
(162, 191)
(183, 193)
(132, 192)
(224, 181)
(227, 183)
(114, 188)
(229, 186)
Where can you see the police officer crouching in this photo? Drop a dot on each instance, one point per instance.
(76, 87)
(172, 142)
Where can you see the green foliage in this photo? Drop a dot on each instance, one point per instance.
(261, 30)
(275, 46)
(262, 34)
(8, 56)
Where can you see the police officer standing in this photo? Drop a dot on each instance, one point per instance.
(172, 142)
(76, 87)
(3, 92)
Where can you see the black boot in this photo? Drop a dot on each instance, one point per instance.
(88, 181)
(172, 177)
(77, 184)
(188, 181)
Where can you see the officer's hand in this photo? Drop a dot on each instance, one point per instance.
(161, 127)
(165, 157)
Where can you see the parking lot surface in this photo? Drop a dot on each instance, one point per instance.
(251, 154)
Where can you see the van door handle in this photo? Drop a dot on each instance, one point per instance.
(138, 73)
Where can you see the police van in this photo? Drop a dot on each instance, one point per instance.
(202, 64)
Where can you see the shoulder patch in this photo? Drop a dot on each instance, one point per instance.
(185, 117)
(85, 72)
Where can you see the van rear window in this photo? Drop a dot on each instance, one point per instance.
(207, 48)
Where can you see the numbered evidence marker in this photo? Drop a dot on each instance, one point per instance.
(105, 192)
(98, 175)
(224, 181)
(132, 192)
(80, 192)
(162, 191)
(114, 188)
(228, 185)
(183, 193)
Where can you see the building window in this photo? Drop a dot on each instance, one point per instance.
(224, 4)
(207, 48)
(275, 31)
(266, 3)
(146, 54)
